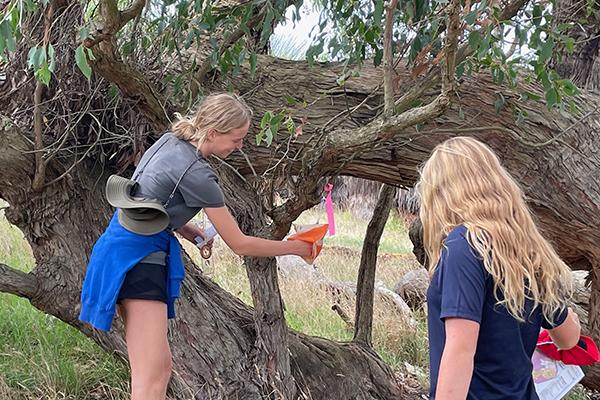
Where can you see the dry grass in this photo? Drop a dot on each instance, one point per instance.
(42, 358)
(309, 303)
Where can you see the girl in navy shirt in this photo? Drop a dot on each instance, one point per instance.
(495, 281)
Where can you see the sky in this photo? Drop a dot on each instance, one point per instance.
(299, 30)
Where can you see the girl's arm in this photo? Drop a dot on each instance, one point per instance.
(245, 245)
(456, 367)
(566, 335)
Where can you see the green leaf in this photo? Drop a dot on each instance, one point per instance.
(569, 43)
(82, 62)
(378, 13)
(277, 119)
(44, 74)
(168, 78)
(161, 27)
(532, 96)
(546, 81)
(226, 62)
(537, 15)
(2, 43)
(378, 57)
(573, 107)
(290, 99)
(460, 70)
(265, 120)
(84, 33)
(484, 47)
(113, 91)
(31, 6)
(7, 32)
(563, 27)
(546, 51)
(498, 105)
(189, 38)
(551, 98)
(370, 36)
(203, 26)
(31, 56)
(51, 57)
(474, 40)
(313, 51)
(90, 54)
(470, 17)
(569, 88)
(266, 27)
(520, 118)
(269, 136)
(214, 43)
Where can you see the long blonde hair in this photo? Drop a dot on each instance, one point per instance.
(222, 112)
(463, 183)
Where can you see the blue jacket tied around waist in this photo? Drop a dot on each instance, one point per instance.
(115, 253)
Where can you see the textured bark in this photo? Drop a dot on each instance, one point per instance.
(559, 179)
(217, 353)
(559, 176)
(221, 347)
(273, 359)
(582, 66)
(16, 282)
(365, 288)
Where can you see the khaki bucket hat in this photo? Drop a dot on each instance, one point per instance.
(136, 214)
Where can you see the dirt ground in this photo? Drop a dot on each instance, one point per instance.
(411, 388)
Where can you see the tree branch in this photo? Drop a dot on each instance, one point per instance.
(388, 59)
(230, 41)
(365, 288)
(40, 166)
(18, 283)
(130, 13)
(432, 78)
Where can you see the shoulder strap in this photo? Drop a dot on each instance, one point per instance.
(177, 184)
(135, 178)
(178, 181)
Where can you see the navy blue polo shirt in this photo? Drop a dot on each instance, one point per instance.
(461, 287)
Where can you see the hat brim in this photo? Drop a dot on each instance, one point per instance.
(143, 221)
(136, 214)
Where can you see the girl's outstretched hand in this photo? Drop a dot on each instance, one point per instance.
(301, 248)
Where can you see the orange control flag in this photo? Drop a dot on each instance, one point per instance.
(312, 233)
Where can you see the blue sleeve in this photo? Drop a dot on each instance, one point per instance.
(463, 279)
(558, 319)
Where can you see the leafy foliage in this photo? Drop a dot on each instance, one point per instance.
(188, 38)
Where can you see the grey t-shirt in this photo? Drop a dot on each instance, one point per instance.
(172, 159)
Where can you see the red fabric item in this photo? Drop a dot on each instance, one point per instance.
(575, 356)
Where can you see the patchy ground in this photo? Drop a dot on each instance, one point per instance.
(411, 388)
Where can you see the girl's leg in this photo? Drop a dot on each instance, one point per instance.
(149, 353)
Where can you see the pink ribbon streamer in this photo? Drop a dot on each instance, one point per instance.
(329, 208)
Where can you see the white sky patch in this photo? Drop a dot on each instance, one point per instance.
(301, 32)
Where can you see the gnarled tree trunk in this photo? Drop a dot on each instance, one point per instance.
(217, 341)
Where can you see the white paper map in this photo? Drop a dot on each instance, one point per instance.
(553, 379)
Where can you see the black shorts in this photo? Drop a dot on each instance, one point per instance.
(145, 282)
